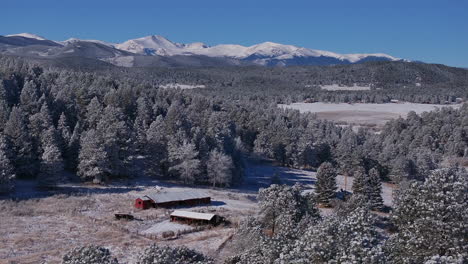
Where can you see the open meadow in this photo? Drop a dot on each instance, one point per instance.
(44, 225)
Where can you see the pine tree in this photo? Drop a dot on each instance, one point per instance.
(375, 190)
(89, 255)
(360, 182)
(325, 187)
(16, 131)
(155, 152)
(93, 159)
(93, 113)
(117, 141)
(64, 130)
(219, 168)
(184, 161)
(7, 171)
(431, 218)
(72, 150)
(51, 169)
(155, 254)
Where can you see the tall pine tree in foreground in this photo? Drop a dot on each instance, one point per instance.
(431, 218)
(325, 187)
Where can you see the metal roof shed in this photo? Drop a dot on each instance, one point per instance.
(195, 218)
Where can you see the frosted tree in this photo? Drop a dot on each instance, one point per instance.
(7, 171)
(142, 122)
(17, 132)
(93, 113)
(73, 148)
(64, 130)
(184, 161)
(52, 165)
(431, 218)
(375, 190)
(360, 182)
(93, 159)
(358, 241)
(352, 239)
(155, 151)
(89, 255)
(29, 97)
(116, 140)
(282, 207)
(51, 168)
(219, 168)
(156, 254)
(325, 187)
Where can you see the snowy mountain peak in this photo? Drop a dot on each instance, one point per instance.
(74, 40)
(27, 35)
(266, 53)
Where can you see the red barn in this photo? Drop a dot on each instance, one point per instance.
(143, 203)
(172, 199)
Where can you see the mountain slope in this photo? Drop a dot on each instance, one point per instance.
(158, 51)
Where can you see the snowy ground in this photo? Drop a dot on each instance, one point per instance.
(336, 87)
(41, 226)
(363, 114)
(181, 86)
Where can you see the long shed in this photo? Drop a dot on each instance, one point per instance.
(173, 199)
(195, 217)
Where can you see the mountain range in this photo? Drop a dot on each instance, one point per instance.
(159, 51)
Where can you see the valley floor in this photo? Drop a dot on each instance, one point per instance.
(363, 114)
(43, 226)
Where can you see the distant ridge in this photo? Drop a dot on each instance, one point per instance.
(157, 50)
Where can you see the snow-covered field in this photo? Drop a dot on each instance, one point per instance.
(181, 86)
(363, 114)
(33, 230)
(336, 87)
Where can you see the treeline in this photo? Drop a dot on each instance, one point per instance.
(428, 225)
(110, 124)
(102, 128)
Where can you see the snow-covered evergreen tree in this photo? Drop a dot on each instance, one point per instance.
(7, 171)
(93, 159)
(89, 255)
(360, 182)
(185, 162)
(431, 218)
(375, 190)
(219, 168)
(155, 254)
(16, 130)
(325, 187)
(52, 166)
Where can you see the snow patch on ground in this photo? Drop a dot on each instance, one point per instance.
(165, 226)
(181, 86)
(363, 114)
(336, 87)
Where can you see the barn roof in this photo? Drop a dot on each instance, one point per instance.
(177, 196)
(193, 215)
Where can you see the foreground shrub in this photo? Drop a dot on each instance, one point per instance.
(166, 255)
(89, 255)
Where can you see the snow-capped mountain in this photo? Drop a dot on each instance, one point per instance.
(27, 35)
(153, 50)
(261, 53)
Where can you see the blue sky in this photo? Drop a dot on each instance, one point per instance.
(430, 31)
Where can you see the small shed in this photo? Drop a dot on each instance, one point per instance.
(188, 217)
(143, 203)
